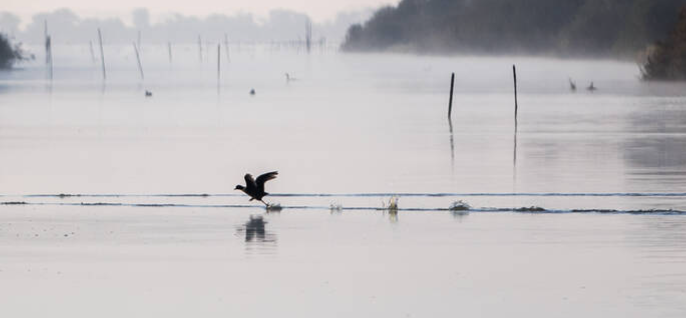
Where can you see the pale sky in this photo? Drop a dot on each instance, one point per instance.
(319, 10)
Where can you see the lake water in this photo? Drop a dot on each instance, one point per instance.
(128, 209)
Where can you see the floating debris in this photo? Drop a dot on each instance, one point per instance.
(14, 203)
(274, 207)
(460, 206)
(392, 206)
(531, 209)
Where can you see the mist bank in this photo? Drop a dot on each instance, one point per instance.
(65, 27)
(606, 28)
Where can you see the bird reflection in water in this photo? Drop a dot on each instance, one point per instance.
(256, 232)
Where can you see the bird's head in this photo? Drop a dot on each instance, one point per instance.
(239, 187)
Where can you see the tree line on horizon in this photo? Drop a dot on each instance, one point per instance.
(666, 60)
(10, 53)
(609, 28)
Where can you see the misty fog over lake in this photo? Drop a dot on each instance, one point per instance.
(118, 204)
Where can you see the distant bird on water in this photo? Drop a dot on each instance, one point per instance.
(148, 93)
(255, 188)
(252, 92)
(289, 78)
(591, 87)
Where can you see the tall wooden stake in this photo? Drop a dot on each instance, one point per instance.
(514, 74)
(308, 34)
(48, 51)
(102, 55)
(138, 58)
(450, 103)
(199, 49)
(226, 47)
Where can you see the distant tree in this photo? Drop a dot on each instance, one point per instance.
(563, 27)
(667, 59)
(9, 54)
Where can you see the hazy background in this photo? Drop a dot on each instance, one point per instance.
(67, 26)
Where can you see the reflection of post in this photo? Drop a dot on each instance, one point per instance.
(170, 53)
(452, 145)
(515, 149)
(219, 57)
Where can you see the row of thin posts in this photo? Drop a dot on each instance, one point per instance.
(136, 47)
(516, 109)
(452, 86)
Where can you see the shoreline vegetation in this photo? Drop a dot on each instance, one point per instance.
(666, 60)
(10, 54)
(568, 29)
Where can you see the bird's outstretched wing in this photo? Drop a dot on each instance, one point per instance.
(250, 182)
(264, 178)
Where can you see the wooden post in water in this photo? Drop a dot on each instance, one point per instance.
(514, 74)
(138, 58)
(199, 49)
(450, 103)
(102, 55)
(308, 34)
(48, 51)
(226, 47)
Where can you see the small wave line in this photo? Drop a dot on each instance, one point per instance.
(530, 210)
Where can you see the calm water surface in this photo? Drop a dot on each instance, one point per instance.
(351, 131)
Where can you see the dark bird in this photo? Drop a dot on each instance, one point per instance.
(572, 85)
(252, 92)
(591, 87)
(255, 188)
(148, 93)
